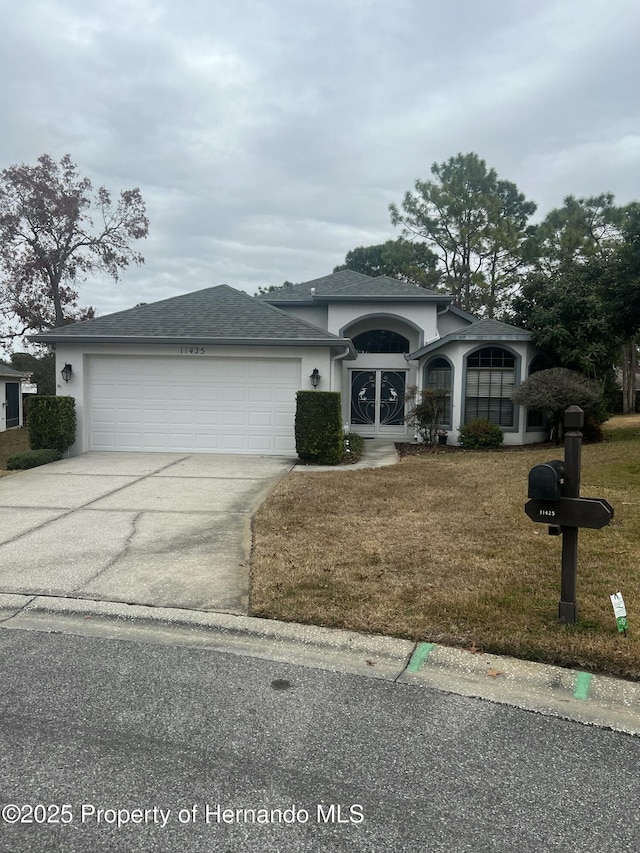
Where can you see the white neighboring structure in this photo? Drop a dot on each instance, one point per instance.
(12, 384)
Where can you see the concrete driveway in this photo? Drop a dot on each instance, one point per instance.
(162, 529)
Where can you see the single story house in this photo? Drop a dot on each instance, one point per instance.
(217, 370)
(11, 382)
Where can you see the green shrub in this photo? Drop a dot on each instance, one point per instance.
(480, 433)
(32, 458)
(556, 389)
(52, 423)
(592, 431)
(353, 447)
(427, 411)
(318, 427)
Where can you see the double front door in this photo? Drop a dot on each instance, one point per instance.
(377, 401)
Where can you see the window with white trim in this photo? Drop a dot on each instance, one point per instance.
(438, 377)
(491, 374)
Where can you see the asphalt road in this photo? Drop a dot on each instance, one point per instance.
(164, 739)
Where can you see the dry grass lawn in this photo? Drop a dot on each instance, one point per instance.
(438, 548)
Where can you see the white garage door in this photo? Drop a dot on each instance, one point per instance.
(197, 404)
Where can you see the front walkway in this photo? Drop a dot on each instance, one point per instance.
(377, 453)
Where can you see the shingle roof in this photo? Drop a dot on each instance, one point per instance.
(491, 328)
(481, 330)
(11, 372)
(215, 315)
(348, 284)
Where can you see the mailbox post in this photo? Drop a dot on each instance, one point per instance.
(554, 489)
(573, 423)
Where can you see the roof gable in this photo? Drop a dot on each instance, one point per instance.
(218, 314)
(480, 330)
(351, 285)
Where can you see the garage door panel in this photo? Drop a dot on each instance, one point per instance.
(182, 393)
(106, 439)
(234, 395)
(127, 417)
(235, 370)
(260, 419)
(155, 393)
(284, 397)
(155, 418)
(207, 443)
(155, 441)
(211, 418)
(281, 421)
(193, 404)
(281, 444)
(128, 391)
(262, 373)
(103, 391)
(259, 444)
(179, 370)
(234, 419)
(127, 439)
(261, 396)
(103, 417)
(205, 370)
(181, 440)
(180, 417)
(208, 394)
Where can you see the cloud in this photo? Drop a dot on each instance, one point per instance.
(269, 136)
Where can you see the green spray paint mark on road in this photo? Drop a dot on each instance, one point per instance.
(419, 656)
(583, 682)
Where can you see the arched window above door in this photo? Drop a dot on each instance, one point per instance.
(380, 340)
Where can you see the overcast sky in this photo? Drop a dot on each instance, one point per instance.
(268, 137)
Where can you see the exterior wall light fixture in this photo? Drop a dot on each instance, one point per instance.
(315, 377)
(66, 372)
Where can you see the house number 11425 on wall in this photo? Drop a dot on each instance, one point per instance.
(191, 350)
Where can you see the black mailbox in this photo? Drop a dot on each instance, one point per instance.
(546, 481)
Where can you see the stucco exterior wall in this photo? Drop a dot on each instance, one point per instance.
(315, 314)
(420, 315)
(456, 351)
(449, 322)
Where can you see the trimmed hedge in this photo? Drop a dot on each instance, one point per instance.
(480, 433)
(32, 459)
(318, 427)
(52, 423)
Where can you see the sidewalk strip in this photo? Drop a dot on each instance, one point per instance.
(583, 682)
(419, 656)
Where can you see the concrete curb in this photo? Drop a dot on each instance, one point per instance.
(554, 691)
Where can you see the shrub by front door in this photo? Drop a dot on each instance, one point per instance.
(377, 401)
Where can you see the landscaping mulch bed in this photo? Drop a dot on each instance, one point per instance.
(405, 448)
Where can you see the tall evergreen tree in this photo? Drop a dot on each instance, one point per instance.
(476, 224)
